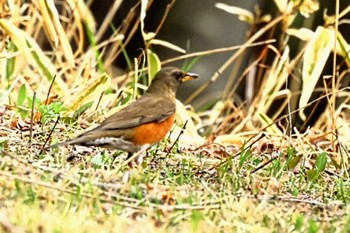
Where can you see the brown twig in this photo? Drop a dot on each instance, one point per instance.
(48, 137)
(48, 93)
(99, 101)
(31, 119)
(264, 164)
(178, 137)
(167, 10)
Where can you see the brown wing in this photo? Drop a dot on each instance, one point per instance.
(149, 108)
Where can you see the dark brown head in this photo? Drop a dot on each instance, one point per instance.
(168, 80)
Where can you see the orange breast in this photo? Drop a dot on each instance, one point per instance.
(151, 133)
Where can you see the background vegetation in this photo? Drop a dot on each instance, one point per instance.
(270, 154)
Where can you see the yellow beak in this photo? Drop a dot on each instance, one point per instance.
(189, 76)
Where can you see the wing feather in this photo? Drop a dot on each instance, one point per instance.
(149, 108)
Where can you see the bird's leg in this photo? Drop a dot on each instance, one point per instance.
(139, 158)
(136, 158)
(129, 155)
(129, 158)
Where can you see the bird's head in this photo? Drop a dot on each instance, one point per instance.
(168, 80)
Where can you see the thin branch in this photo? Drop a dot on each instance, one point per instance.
(48, 93)
(107, 20)
(31, 119)
(177, 138)
(167, 10)
(49, 136)
(214, 51)
(274, 157)
(99, 101)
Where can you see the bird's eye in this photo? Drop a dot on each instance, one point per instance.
(178, 74)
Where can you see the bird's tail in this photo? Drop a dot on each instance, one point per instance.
(80, 140)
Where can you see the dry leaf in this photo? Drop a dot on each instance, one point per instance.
(316, 54)
(243, 14)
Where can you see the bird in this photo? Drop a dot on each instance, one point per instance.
(142, 123)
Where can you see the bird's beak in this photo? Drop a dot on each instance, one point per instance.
(189, 76)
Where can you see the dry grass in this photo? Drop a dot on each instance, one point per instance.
(255, 169)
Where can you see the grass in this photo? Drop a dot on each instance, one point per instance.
(63, 190)
(252, 169)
